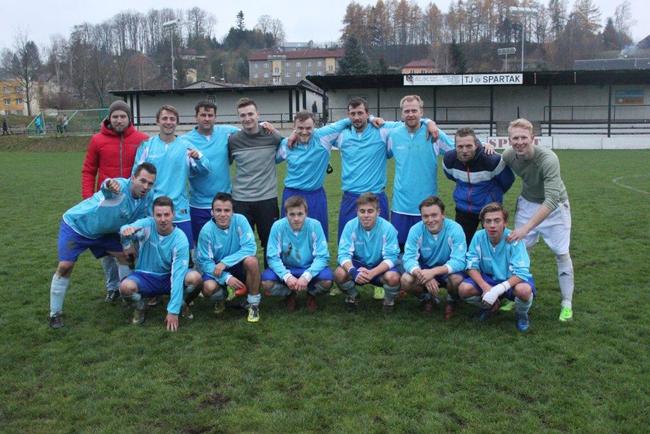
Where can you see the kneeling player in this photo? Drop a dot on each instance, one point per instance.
(226, 257)
(498, 268)
(368, 253)
(434, 256)
(94, 224)
(297, 256)
(162, 264)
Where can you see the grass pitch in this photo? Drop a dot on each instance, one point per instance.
(332, 371)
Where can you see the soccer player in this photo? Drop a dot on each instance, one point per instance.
(307, 163)
(177, 160)
(498, 268)
(225, 254)
(94, 224)
(543, 206)
(434, 256)
(111, 154)
(297, 257)
(255, 185)
(416, 165)
(162, 262)
(480, 178)
(368, 253)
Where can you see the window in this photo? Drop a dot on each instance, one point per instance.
(320, 63)
(298, 74)
(330, 68)
(6, 91)
(309, 63)
(287, 74)
(19, 101)
(297, 64)
(257, 65)
(19, 89)
(266, 66)
(7, 101)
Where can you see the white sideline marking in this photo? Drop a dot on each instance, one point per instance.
(618, 182)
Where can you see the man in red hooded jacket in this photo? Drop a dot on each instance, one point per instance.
(110, 154)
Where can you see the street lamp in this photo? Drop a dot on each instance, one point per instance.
(171, 25)
(522, 12)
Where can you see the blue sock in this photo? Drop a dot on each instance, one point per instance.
(58, 289)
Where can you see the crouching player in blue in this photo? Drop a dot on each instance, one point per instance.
(94, 224)
(297, 256)
(225, 254)
(434, 256)
(162, 264)
(368, 253)
(498, 268)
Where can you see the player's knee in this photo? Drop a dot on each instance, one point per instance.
(209, 288)
(64, 269)
(407, 281)
(340, 275)
(193, 278)
(128, 287)
(391, 278)
(326, 284)
(454, 281)
(251, 264)
(523, 291)
(466, 290)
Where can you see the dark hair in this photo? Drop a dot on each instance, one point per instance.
(205, 104)
(303, 116)
(163, 201)
(169, 108)
(223, 197)
(431, 201)
(368, 198)
(244, 102)
(493, 207)
(466, 131)
(145, 166)
(294, 202)
(356, 102)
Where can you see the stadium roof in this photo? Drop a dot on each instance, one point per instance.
(230, 88)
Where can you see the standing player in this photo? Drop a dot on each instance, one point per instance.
(110, 154)
(162, 264)
(307, 163)
(297, 257)
(255, 185)
(225, 254)
(94, 224)
(480, 178)
(498, 268)
(434, 256)
(176, 161)
(367, 253)
(543, 206)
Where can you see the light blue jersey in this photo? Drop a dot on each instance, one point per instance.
(307, 162)
(426, 250)
(304, 249)
(369, 247)
(230, 246)
(104, 212)
(416, 166)
(501, 261)
(204, 186)
(174, 168)
(161, 255)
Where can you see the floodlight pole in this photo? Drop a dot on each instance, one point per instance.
(171, 25)
(522, 12)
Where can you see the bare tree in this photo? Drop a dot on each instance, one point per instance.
(24, 64)
(623, 18)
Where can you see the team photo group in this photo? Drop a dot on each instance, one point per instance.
(164, 217)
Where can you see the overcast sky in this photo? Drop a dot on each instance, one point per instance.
(319, 20)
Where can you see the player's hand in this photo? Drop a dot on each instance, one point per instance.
(130, 230)
(490, 297)
(427, 276)
(517, 234)
(292, 140)
(378, 122)
(432, 131)
(364, 276)
(489, 149)
(193, 153)
(432, 287)
(113, 186)
(219, 269)
(268, 127)
(236, 283)
(301, 284)
(171, 321)
(292, 283)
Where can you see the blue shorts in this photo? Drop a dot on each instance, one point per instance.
(71, 244)
(151, 285)
(186, 227)
(325, 274)
(403, 223)
(377, 279)
(199, 216)
(316, 204)
(348, 209)
(236, 270)
(509, 294)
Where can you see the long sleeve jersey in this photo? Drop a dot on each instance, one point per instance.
(306, 248)
(104, 212)
(447, 247)
(501, 261)
(174, 168)
(307, 162)
(230, 246)
(416, 166)
(161, 255)
(204, 186)
(369, 247)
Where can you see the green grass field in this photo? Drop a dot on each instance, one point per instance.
(334, 371)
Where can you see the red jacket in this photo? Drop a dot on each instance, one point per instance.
(109, 155)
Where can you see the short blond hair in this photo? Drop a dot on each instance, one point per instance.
(521, 123)
(409, 98)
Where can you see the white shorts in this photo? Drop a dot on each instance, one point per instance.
(555, 229)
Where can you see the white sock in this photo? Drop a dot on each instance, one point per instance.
(58, 289)
(565, 277)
